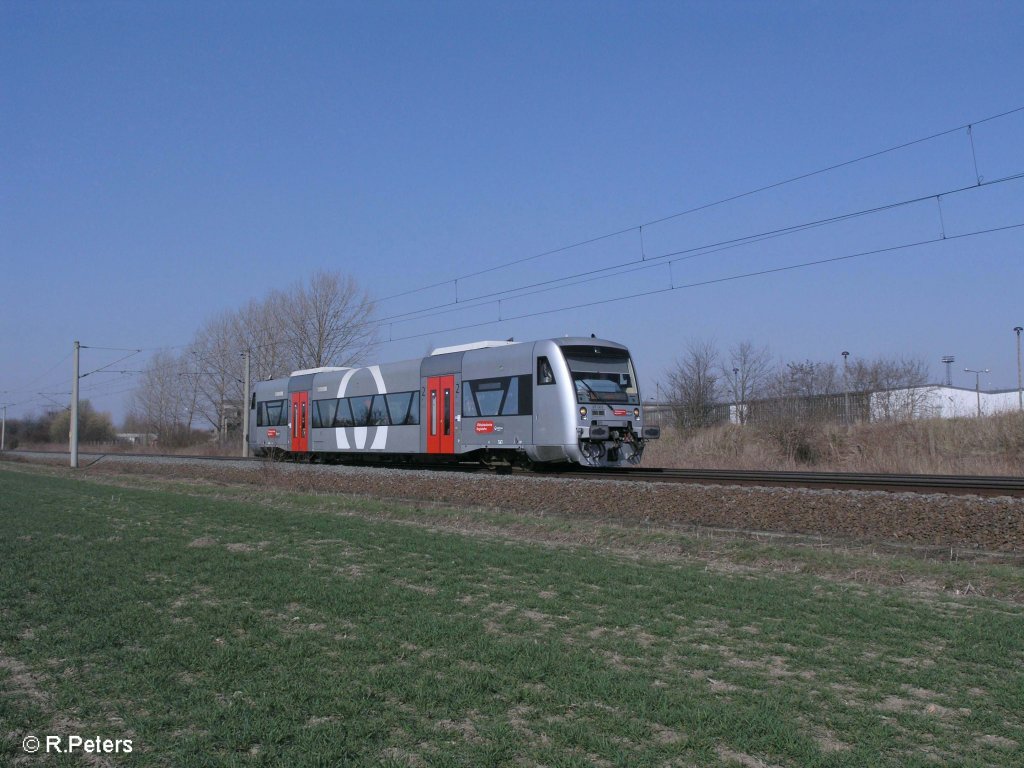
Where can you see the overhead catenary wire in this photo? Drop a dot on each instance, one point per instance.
(133, 353)
(732, 198)
(687, 253)
(643, 262)
(729, 278)
(654, 263)
(466, 303)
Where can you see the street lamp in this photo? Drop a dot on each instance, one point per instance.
(977, 384)
(1020, 389)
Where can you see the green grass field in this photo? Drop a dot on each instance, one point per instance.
(216, 626)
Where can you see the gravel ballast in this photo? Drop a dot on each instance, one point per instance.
(968, 522)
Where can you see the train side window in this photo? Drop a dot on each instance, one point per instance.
(507, 396)
(361, 410)
(544, 373)
(510, 405)
(323, 413)
(468, 403)
(343, 416)
(378, 412)
(525, 395)
(272, 413)
(489, 395)
(401, 407)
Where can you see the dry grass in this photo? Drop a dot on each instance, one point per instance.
(992, 445)
(231, 448)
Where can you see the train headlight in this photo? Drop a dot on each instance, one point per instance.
(636, 413)
(583, 412)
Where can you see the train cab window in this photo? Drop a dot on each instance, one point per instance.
(544, 373)
(601, 374)
(252, 404)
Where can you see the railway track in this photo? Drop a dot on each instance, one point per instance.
(926, 484)
(921, 484)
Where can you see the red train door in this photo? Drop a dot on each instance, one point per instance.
(440, 408)
(300, 422)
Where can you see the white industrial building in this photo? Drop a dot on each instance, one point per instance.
(934, 401)
(940, 401)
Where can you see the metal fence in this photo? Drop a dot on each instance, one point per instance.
(848, 408)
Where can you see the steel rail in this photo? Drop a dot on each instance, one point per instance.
(981, 485)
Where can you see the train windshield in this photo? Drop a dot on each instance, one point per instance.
(602, 374)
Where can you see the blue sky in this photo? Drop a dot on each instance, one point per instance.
(163, 162)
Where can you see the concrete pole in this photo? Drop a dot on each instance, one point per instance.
(738, 395)
(3, 431)
(74, 411)
(846, 390)
(245, 409)
(1020, 387)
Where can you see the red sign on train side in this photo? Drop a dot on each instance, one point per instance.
(484, 426)
(271, 433)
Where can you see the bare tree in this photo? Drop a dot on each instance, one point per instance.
(216, 354)
(693, 385)
(806, 379)
(745, 375)
(323, 322)
(165, 400)
(327, 321)
(258, 329)
(898, 387)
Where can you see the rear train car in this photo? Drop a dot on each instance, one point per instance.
(569, 400)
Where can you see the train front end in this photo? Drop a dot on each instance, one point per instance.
(601, 395)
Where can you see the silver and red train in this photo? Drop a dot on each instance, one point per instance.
(569, 400)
